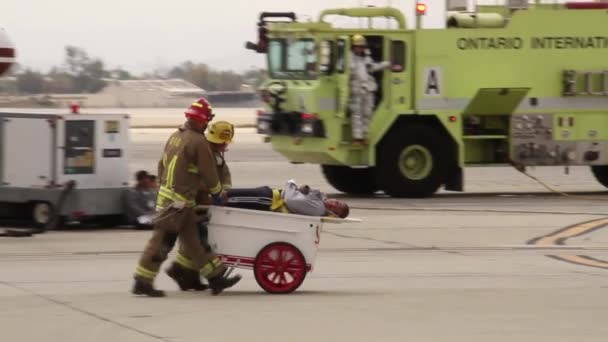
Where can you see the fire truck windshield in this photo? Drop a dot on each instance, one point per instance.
(292, 59)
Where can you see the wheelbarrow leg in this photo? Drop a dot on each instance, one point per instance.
(231, 268)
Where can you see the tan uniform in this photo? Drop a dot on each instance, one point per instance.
(223, 173)
(203, 197)
(186, 162)
(363, 87)
(222, 170)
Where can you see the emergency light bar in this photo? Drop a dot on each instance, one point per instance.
(587, 5)
(420, 9)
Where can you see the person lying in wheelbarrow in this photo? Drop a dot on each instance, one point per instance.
(291, 199)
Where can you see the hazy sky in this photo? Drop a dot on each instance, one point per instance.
(142, 35)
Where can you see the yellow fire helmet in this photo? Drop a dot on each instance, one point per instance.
(220, 132)
(359, 40)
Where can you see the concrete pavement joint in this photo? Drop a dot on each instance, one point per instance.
(526, 212)
(404, 245)
(85, 312)
(464, 249)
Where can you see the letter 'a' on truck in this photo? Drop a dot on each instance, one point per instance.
(519, 83)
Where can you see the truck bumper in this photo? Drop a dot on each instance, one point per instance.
(290, 124)
(80, 202)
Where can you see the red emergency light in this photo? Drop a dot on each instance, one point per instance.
(308, 116)
(420, 9)
(74, 108)
(587, 5)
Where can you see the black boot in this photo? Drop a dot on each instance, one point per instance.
(146, 288)
(185, 278)
(197, 285)
(219, 283)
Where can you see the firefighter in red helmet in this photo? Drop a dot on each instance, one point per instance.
(187, 160)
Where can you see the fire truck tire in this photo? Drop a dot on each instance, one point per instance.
(600, 172)
(409, 162)
(350, 180)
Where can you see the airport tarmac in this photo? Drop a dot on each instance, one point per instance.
(505, 261)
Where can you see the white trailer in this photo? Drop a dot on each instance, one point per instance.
(41, 153)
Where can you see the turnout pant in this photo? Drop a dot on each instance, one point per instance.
(361, 108)
(180, 225)
(260, 198)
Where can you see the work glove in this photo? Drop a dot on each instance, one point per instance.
(217, 200)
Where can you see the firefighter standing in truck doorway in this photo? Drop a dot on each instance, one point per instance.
(187, 160)
(219, 135)
(362, 89)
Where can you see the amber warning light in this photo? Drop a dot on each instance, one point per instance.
(420, 9)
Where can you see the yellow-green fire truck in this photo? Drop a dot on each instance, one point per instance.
(525, 86)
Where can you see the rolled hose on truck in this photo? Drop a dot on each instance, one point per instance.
(57, 208)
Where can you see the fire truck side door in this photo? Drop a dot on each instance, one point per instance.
(342, 70)
(399, 74)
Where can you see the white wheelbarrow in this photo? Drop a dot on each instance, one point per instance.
(280, 248)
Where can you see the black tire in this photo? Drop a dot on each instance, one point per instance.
(420, 179)
(111, 221)
(41, 213)
(349, 180)
(600, 172)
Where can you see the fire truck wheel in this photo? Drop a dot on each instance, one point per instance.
(409, 162)
(600, 172)
(41, 213)
(350, 180)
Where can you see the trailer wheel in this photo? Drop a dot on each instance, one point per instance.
(600, 172)
(41, 213)
(279, 268)
(409, 162)
(350, 180)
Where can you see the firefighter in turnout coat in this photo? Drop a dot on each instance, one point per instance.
(219, 136)
(186, 161)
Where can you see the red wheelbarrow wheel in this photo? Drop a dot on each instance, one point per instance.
(279, 268)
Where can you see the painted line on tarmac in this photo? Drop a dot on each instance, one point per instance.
(559, 237)
(581, 260)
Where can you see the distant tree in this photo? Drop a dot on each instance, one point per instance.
(207, 78)
(120, 74)
(8, 86)
(195, 73)
(87, 73)
(31, 82)
(60, 82)
(255, 77)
